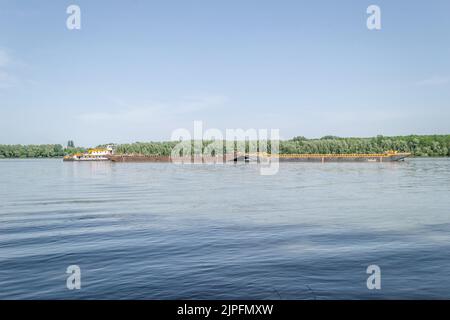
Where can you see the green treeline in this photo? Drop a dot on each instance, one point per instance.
(147, 148)
(420, 146)
(36, 151)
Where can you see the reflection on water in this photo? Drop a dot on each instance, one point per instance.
(157, 230)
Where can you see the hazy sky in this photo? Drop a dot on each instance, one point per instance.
(137, 70)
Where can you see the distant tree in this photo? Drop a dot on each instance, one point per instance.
(299, 138)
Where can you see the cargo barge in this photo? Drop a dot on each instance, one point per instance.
(355, 157)
(262, 157)
(158, 158)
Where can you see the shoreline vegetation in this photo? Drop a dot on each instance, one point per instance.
(417, 145)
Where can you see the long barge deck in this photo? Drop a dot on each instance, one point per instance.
(260, 157)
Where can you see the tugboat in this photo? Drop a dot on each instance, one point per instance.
(96, 154)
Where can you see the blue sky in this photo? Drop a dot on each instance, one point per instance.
(137, 70)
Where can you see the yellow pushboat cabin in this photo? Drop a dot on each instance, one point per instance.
(95, 154)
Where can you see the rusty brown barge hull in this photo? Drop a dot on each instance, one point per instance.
(151, 158)
(138, 158)
(385, 157)
(344, 158)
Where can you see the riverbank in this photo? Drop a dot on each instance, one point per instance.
(417, 145)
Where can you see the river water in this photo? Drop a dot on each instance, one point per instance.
(166, 231)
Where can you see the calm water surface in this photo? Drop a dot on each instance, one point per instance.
(157, 231)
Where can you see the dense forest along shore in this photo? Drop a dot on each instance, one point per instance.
(417, 145)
